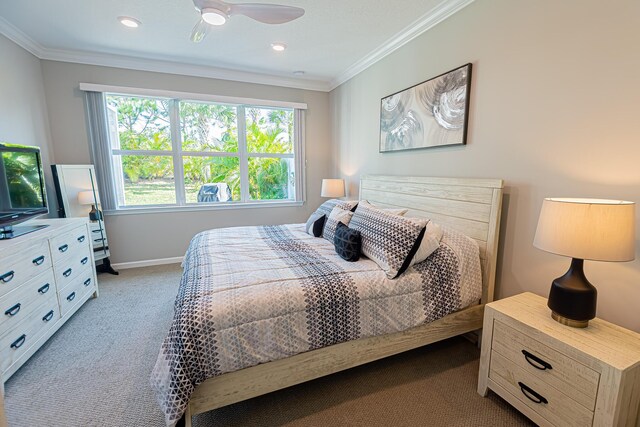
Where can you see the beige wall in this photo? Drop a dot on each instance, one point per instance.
(555, 102)
(23, 111)
(163, 235)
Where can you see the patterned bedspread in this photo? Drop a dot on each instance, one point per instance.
(251, 295)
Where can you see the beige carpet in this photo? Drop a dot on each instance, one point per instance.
(95, 372)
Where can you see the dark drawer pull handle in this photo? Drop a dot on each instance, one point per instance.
(7, 277)
(63, 248)
(18, 343)
(97, 231)
(13, 310)
(87, 282)
(84, 260)
(44, 289)
(48, 316)
(71, 296)
(38, 260)
(98, 240)
(81, 238)
(67, 272)
(536, 362)
(531, 394)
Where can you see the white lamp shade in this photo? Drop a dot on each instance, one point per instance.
(332, 188)
(86, 198)
(593, 229)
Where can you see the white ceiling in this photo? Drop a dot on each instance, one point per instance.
(333, 41)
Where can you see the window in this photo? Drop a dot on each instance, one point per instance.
(181, 152)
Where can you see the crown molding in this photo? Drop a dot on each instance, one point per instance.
(427, 21)
(154, 65)
(21, 39)
(169, 67)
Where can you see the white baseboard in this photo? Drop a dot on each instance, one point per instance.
(147, 263)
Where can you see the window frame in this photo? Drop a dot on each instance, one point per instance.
(178, 154)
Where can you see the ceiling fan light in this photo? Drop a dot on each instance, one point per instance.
(278, 47)
(128, 21)
(214, 16)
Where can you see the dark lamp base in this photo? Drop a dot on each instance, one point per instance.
(572, 299)
(569, 322)
(95, 214)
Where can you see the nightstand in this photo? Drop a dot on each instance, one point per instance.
(557, 375)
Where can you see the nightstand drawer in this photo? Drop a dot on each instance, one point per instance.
(96, 226)
(576, 380)
(549, 402)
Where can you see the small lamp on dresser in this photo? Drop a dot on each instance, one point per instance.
(332, 188)
(592, 229)
(88, 198)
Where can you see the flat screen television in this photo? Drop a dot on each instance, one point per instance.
(22, 190)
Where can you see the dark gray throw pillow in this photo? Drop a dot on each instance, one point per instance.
(315, 224)
(348, 243)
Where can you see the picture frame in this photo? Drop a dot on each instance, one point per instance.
(434, 113)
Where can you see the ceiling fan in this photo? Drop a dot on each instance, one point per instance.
(217, 12)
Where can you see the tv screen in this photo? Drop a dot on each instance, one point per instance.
(22, 190)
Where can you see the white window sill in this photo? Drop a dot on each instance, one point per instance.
(196, 208)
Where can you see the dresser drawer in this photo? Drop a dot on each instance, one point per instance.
(26, 333)
(66, 270)
(76, 291)
(21, 302)
(18, 268)
(576, 380)
(99, 241)
(66, 244)
(549, 402)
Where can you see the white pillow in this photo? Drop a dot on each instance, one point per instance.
(338, 214)
(430, 242)
(395, 211)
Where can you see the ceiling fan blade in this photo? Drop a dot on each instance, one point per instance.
(267, 13)
(200, 30)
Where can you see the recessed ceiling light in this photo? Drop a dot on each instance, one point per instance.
(278, 47)
(128, 21)
(214, 16)
(298, 73)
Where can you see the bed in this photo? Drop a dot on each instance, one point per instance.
(312, 314)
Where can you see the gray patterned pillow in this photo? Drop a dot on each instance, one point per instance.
(337, 215)
(391, 241)
(327, 207)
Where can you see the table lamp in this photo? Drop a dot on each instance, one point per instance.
(87, 198)
(332, 188)
(592, 229)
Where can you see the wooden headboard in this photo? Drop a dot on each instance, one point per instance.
(471, 206)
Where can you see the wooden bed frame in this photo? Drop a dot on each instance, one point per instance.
(471, 206)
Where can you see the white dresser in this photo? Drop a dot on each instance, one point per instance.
(45, 276)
